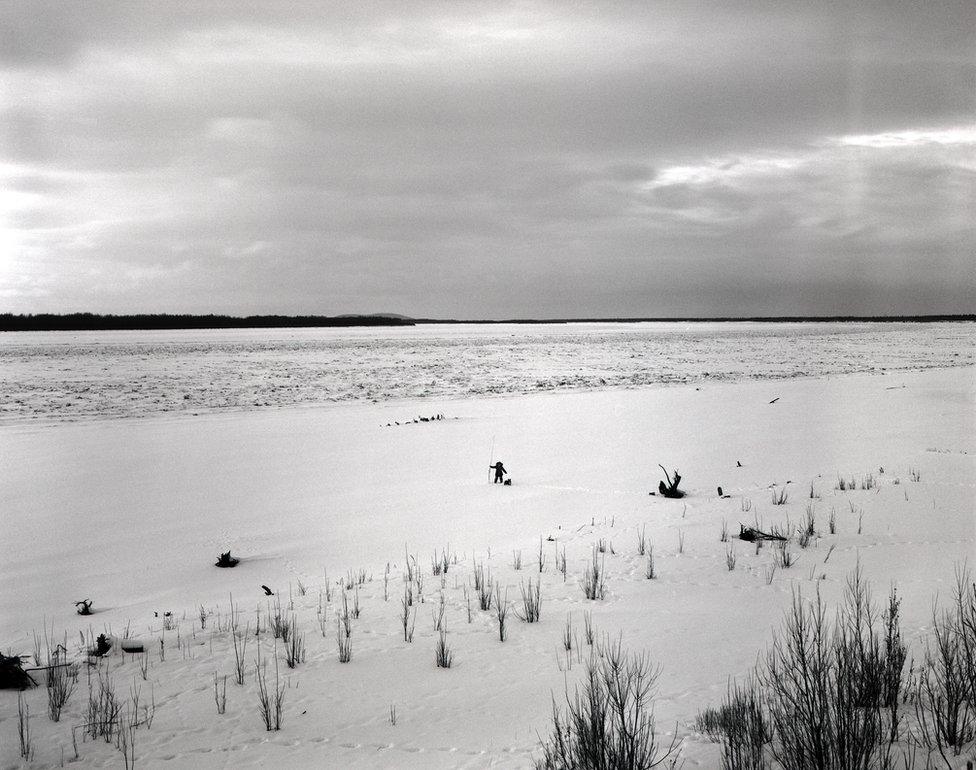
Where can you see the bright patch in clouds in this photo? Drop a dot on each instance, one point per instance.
(965, 135)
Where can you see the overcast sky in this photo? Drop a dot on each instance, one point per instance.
(488, 160)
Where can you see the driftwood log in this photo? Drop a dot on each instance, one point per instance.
(751, 534)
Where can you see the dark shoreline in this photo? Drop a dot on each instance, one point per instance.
(95, 322)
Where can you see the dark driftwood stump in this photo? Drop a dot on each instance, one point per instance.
(102, 646)
(226, 560)
(12, 674)
(671, 488)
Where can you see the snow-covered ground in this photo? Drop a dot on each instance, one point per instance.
(132, 514)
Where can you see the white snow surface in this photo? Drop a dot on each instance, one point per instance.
(132, 513)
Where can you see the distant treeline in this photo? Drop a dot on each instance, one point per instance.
(93, 321)
(716, 319)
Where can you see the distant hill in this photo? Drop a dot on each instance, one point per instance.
(94, 321)
(395, 316)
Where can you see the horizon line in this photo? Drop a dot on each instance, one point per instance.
(86, 321)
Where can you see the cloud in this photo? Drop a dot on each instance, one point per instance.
(509, 159)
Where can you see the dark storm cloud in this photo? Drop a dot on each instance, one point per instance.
(488, 160)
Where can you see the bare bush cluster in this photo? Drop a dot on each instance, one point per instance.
(609, 721)
(836, 692)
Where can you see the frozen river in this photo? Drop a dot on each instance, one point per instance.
(84, 375)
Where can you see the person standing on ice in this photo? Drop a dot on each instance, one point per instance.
(499, 472)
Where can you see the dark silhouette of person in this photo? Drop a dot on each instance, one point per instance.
(499, 472)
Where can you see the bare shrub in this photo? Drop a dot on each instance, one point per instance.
(964, 605)
(484, 593)
(724, 536)
(609, 723)
(730, 558)
(541, 556)
(593, 580)
(406, 621)
(832, 689)
(784, 557)
(419, 582)
(327, 585)
(649, 572)
(61, 678)
(344, 616)
(278, 622)
(60, 685)
(240, 650)
(531, 602)
(810, 521)
(945, 707)
(517, 559)
(125, 742)
(709, 723)
(740, 723)
(104, 707)
(588, 634)
(745, 729)
(270, 704)
(438, 613)
(443, 655)
(410, 562)
(501, 612)
(220, 693)
(295, 646)
(344, 641)
(23, 728)
(480, 576)
(780, 498)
